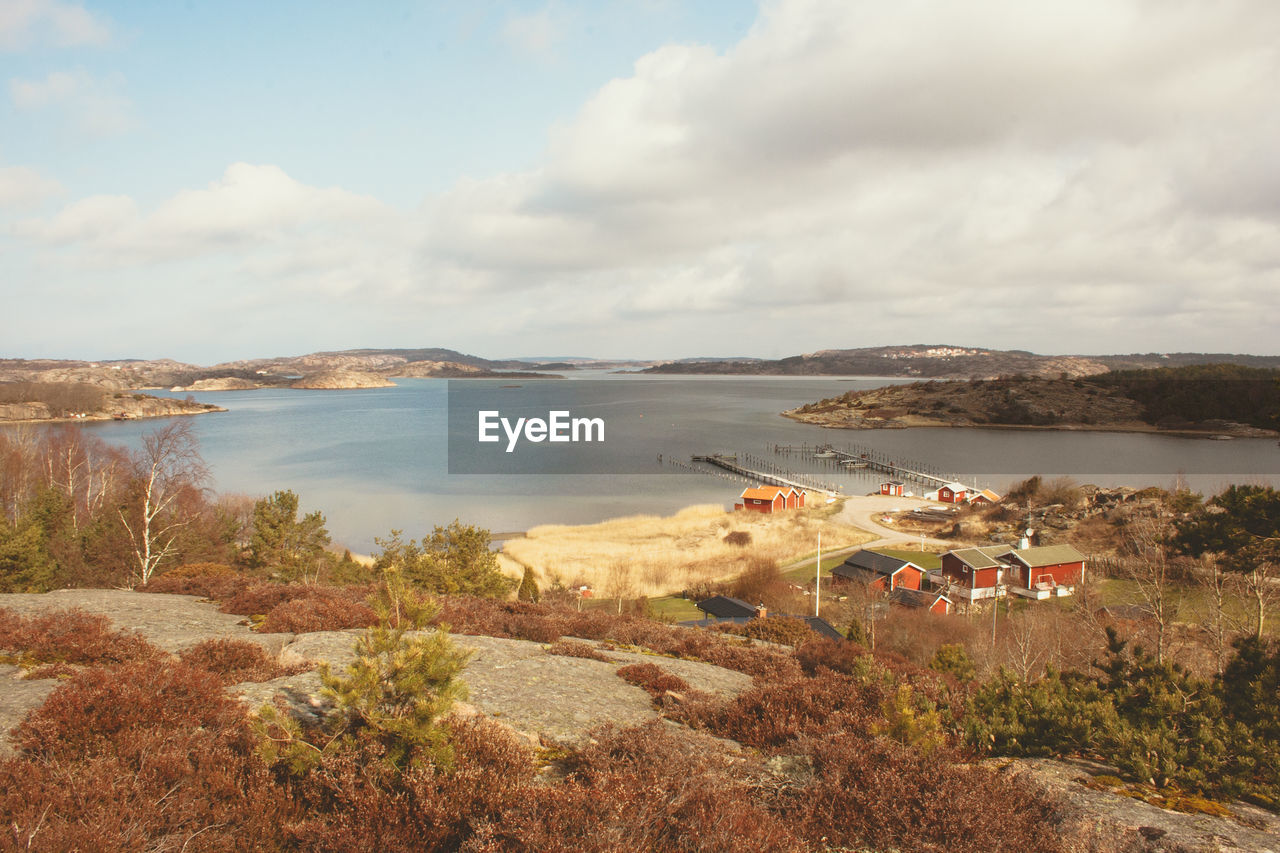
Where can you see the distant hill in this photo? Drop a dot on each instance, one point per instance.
(945, 361)
(280, 372)
(922, 361)
(423, 354)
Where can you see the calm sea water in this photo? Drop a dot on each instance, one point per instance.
(377, 459)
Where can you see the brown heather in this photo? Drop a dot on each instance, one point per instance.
(653, 679)
(236, 661)
(146, 755)
(68, 637)
(568, 648)
(154, 755)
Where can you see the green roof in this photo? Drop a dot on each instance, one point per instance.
(982, 558)
(1049, 555)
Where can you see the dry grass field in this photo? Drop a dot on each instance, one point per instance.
(652, 556)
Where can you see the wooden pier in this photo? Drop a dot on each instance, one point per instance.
(875, 460)
(775, 476)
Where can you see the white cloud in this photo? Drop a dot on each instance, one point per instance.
(536, 34)
(1096, 176)
(268, 226)
(26, 23)
(23, 187)
(91, 105)
(960, 154)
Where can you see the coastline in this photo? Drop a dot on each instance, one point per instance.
(913, 422)
(99, 417)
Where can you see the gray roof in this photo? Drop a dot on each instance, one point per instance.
(982, 558)
(817, 624)
(915, 597)
(823, 628)
(864, 561)
(726, 607)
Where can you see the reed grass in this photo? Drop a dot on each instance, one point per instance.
(653, 556)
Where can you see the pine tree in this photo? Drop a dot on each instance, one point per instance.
(528, 587)
(296, 547)
(400, 685)
(954, 660)
(398, 690)
(453, 560)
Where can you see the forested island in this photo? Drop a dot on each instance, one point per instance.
(1207, 399)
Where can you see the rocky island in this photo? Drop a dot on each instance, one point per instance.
(73, 401)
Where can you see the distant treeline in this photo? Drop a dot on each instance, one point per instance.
(62, 398)
(1177, 396)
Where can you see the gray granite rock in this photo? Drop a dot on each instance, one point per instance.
(18, 697)
(1133, 825)
(518, 682)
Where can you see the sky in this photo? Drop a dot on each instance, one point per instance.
(638, 179)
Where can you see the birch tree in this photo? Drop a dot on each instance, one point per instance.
(1147, 565)
(168, 463)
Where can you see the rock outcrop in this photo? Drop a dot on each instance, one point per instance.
(338, 379)
(517, 682)
(224, 383)
(432, 369)
(1137, 826)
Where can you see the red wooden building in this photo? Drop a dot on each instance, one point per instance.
(974, 572)
(1036, 573)
(891, 487)
(1047, 566)
(954, 493)
(934, 602)
(770, 499)
(878, 571)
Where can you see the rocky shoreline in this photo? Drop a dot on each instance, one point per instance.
(119, 407)
(1215, 430)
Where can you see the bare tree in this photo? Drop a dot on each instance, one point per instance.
(619, 582)
(1219, 586)
(168, 463)
(83, 467)
(19, 448)
(1029, 639)
(1262, 584)
(1146, 563)
(1241, 525)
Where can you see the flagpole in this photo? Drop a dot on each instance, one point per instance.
(817, 581)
